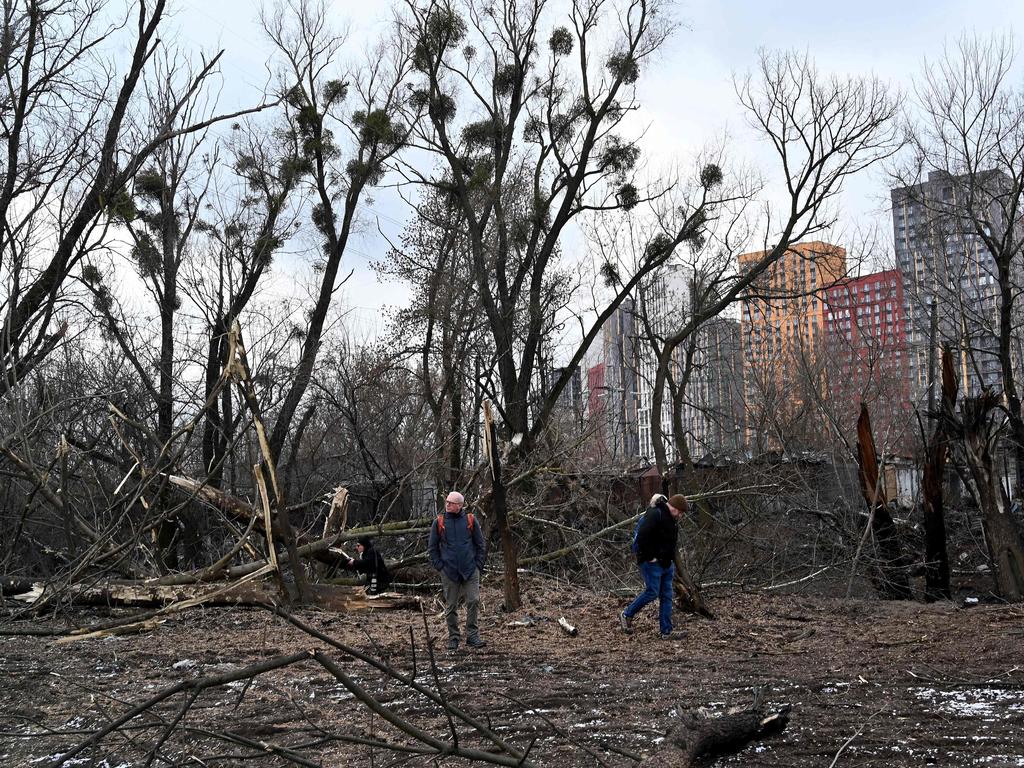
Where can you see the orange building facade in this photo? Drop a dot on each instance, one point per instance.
(783, 334)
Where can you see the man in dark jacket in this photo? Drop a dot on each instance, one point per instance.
(370, 562)
(655, 553)
(456, 548)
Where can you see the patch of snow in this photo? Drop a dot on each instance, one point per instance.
(980, 702)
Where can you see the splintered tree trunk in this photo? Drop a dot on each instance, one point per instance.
(978, 428)
(265, 471)
(1004, 543)
(499, 503)
(891, 580)
(687, 593)
(936, 567)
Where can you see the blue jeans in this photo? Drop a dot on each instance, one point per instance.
(659, 586)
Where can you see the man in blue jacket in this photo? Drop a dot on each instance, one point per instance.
(456, 548)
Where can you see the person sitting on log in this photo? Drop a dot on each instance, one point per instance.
(371, 563)
(655, 548)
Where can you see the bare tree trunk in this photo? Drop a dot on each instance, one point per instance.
(499, 504)
(1007, 296)
(891, 578)
(936, 566)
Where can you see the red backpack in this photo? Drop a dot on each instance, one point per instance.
(469, 523)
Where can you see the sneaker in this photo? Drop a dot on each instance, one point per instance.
(626, 623)
(453, 644)
(476, 642)
(666, 635)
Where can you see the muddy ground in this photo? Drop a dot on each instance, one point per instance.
(876, 684)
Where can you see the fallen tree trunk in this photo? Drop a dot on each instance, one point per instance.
(139, 593)
(319, 549)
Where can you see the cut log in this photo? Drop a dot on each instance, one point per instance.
(694, 740)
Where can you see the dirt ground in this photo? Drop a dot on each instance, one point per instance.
(876, 684)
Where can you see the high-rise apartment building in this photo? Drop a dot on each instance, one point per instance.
(944, 263)
(611, 389)
(713, 402)
(711, 412)
(782, 330)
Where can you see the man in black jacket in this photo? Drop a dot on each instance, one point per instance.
(372, 564)
(655, 553)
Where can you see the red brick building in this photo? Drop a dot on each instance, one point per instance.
(866, 333)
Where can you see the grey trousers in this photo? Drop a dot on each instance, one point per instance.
(454, 592)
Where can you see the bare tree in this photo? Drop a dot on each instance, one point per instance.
(348, 127)
(823, 130)
(441, 327)
(965, 174)
(253, 215)
(511, 95)
(72, 144)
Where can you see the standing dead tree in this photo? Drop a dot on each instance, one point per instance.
(975, 434)
(888, 563)
(936, 556)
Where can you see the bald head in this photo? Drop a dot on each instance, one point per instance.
(454, 501)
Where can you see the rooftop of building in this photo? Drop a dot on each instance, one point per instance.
(811, 248)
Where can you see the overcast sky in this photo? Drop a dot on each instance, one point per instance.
(688, 97)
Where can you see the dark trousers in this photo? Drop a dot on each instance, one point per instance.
(461, 591)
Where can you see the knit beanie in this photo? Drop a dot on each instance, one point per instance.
(679, 502)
